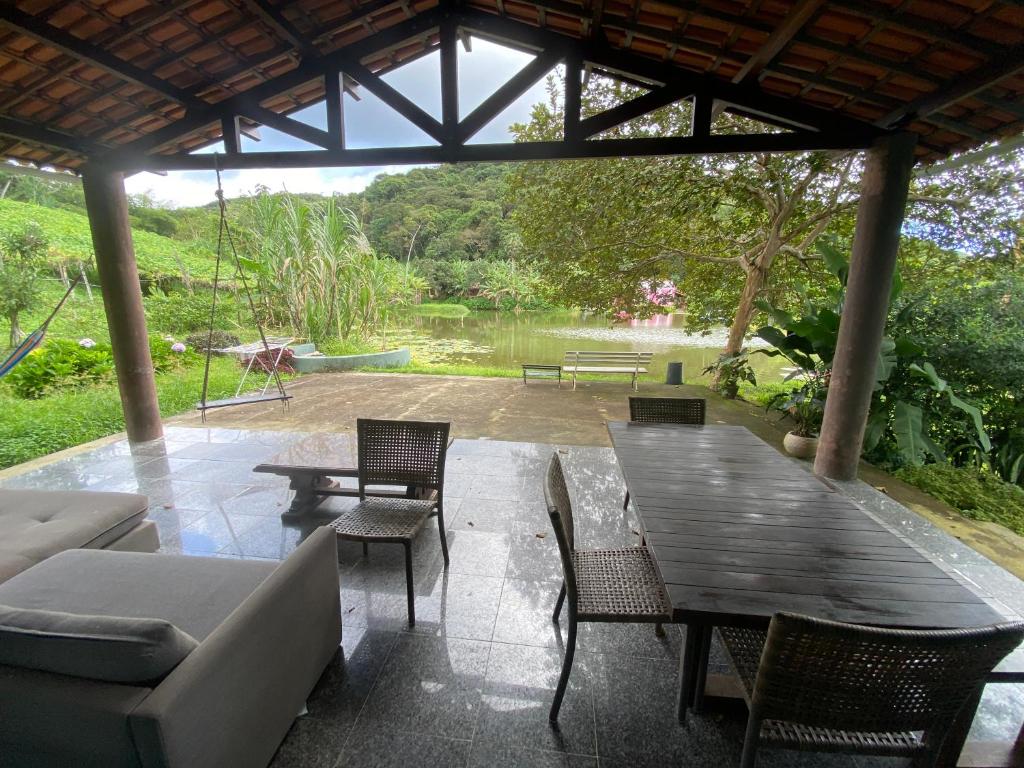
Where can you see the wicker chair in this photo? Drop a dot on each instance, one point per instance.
(666, 410)
(824, 686)
(398, 453)
(610, 585)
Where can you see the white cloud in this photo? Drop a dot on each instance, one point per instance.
(187, 188)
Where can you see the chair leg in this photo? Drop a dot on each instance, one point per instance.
(659, 629)
(408, 583)
(366, 548)
(563, 679)
(625, 502)
(702, 671)
(750, 742)
(558, 604)
(444, 536)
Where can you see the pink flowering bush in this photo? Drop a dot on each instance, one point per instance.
(663, 295)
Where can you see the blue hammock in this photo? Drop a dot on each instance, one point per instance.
(35, 338)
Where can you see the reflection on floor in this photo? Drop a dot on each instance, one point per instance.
(471, 683)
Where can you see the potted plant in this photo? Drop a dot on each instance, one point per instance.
(805, 407)
(729, 371)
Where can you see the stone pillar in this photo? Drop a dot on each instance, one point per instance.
(122, 300)
(872, 263)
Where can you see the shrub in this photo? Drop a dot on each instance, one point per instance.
(60, 364)
(167, 358)
(181, 313)
(977, 494)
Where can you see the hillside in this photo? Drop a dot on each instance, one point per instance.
(159, 258)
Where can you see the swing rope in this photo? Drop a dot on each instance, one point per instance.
(224, 232)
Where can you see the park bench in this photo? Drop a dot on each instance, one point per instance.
(537, 371)
(629, 363)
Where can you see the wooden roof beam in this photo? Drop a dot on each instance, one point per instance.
(914, 24)
(361, 12)
(795, 20)
(507, 93)
(777, 41)
(628, 110)
(284, 124)
(541, 150)
(1008, 63)
(346, 60)
(746, 96)
(96, 56)
(37, 134)
(396, 100)
(272, 17)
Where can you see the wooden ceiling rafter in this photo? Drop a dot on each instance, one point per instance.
(947, 69)
(95, 55)
(806, 126)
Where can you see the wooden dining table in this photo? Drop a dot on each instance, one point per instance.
(739, 532)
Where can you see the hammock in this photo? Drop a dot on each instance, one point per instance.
(35, 338)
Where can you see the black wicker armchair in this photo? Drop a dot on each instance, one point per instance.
(824, 686)
(608, 585)
(666, 410)
(398, 453)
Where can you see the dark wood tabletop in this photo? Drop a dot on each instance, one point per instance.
(739, 532)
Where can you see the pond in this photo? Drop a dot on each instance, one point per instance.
(506, 340)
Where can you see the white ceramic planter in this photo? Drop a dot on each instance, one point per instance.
(800, 447)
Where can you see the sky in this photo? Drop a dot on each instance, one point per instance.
(368, 123)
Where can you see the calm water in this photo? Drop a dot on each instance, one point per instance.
(506, 340)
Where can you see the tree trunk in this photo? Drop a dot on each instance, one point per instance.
(15, 337)
(755, 281)
(756, 278)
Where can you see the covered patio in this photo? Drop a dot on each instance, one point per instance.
(114, 89)
(107, 89)
(471, 682)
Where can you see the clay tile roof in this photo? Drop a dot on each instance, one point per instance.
(80, 77)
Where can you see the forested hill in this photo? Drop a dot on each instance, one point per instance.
(452, 211)
(445, 213)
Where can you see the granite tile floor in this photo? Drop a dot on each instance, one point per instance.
(471, 683)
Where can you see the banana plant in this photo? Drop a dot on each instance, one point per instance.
(809, 342)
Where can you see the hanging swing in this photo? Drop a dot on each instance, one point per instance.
(252, 350)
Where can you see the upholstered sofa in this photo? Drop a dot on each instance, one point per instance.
(125, 659)
(35, 525)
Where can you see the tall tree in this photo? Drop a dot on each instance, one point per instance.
(727, 229)
(716, 225)
(22, 262)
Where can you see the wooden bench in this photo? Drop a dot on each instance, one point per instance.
(536, 371)
(629, 363)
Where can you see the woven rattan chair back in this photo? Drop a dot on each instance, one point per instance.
(556, 494)
(668, 410)
(410, 453)
(841, 676)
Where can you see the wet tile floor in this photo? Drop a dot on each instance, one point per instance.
(471, 683)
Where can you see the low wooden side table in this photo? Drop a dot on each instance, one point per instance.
(314, 466)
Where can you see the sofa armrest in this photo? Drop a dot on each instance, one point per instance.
(233, 699)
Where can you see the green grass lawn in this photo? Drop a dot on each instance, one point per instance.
(33, 428)
(975, 494)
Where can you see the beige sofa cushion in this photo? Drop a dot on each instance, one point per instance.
(115, 649)
(35, 525)
(195, 594)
